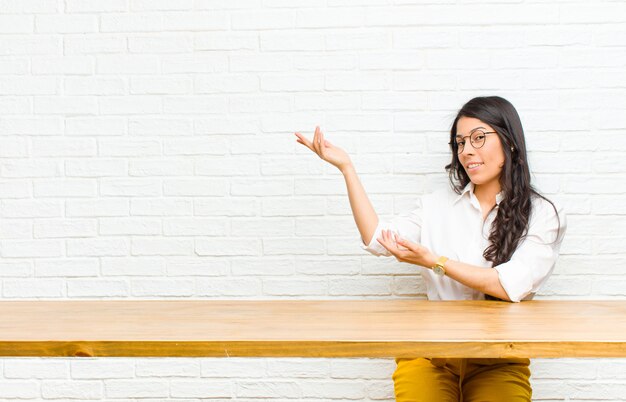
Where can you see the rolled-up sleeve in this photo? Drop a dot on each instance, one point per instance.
(535, 258)
(407, 225)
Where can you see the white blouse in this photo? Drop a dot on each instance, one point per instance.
(452, 225)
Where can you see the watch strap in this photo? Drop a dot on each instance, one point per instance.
(440, 263)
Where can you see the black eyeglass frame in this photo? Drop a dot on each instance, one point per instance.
(462, 147)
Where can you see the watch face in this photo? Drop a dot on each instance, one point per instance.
(438, 270)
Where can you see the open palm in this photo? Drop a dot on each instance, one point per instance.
(325, 150)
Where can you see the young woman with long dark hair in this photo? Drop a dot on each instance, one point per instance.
(490, 235)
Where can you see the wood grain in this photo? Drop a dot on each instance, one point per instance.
(319, 328)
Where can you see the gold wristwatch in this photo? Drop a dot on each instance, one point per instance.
(438, 268)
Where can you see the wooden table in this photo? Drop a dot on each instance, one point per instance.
(328, 328)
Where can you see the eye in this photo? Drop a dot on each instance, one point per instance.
(479, 137)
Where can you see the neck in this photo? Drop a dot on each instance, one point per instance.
(486, 193)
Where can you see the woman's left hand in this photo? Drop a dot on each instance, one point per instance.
(406, 251)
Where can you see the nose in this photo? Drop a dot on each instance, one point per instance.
(468, 149)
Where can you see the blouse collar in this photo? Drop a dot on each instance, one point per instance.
(470, 188)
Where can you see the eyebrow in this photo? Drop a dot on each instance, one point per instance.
(472, 130)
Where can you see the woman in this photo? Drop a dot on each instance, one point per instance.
(490, 236)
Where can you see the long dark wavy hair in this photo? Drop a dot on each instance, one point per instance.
(511, 223)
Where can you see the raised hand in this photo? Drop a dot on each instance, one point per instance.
(325, 150)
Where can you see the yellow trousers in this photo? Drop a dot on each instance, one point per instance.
(466, 380)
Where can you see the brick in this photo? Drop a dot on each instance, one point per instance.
(295, 287)
(54, 228)
(97, 247)
(93, 86)
(69, 267)
(157, 85)
(95, 168)
(133, 266)
(197, 266)
(160, 167)
(333, 389)
(268, 389)
(148, 22)
(129, 226)
(36, 369)
(265, 19)
(31, 45)
(64, 188)
(127, 64)
(28, 289)
(102, 369)
(195, 226)
(28, 86)
(97, 208)
(136, 389)
(94, 44)
(65, 24)
(19, 389)
(97, 288)
(203, 389)
(330, 17)
(168, 367)
(197, 21)
(161, 246)
(72, 389)
(158, 288)
(65, 105)
(228, 287)
(264, 266)
(16, 24)
(95, 6)
(228, 166)
(249, 367)
(161, 207)
(138, 104)
(227, 247)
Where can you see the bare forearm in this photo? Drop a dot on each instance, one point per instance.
(484, 280)
(364, 215)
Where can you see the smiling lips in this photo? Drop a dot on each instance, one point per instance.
(473, 166)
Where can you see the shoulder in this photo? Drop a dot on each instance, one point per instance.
(548, 215)
(544, 207)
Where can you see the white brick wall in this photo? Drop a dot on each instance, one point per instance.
(146, 151)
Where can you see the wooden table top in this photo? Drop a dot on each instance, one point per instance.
(319, 328)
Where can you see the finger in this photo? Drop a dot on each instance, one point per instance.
(409, 245)
(316, 137)
(396, 238)
(390, 237)
(386, 245)
(402, 244)
(304, 141)
(388, 242)
(383, 239)
(393, 236)
(397, 243)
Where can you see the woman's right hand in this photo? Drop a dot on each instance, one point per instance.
(325, 150)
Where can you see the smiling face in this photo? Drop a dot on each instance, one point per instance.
(482, 165)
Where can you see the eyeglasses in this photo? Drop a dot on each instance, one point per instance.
(477, 138)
